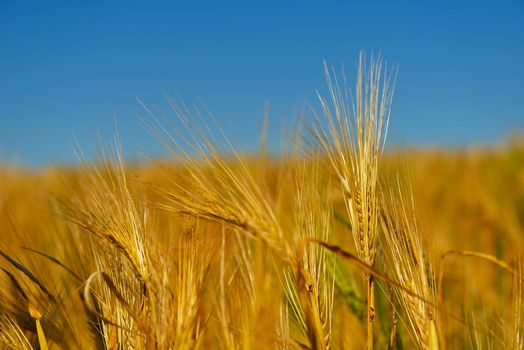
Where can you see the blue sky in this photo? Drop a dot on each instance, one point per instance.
(70, 69)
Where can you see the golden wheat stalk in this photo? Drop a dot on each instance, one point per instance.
(216, 183)
(314, 287)
(353, 140)
(407, 263)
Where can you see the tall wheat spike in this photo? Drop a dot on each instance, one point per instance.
(354, 140)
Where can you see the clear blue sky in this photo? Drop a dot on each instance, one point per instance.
(70, 68)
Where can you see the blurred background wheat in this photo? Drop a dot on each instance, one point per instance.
(383, 211)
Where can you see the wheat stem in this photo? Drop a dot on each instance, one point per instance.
(371, 310)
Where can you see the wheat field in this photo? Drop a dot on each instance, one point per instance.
(338, 242)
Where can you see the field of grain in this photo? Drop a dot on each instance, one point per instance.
(336, 243)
